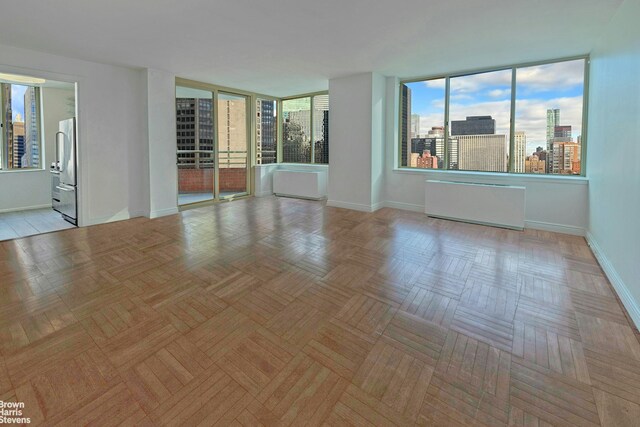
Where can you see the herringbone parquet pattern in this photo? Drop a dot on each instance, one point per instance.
(285, 312)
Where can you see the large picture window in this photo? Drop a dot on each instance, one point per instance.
(520, 119)
(305, 130)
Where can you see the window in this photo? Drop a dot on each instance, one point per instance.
(21, 139)
(548, 118)
(296, 130)
(321, 129)
(470, 121)
(422, 126)
(266, 131)
(305, 131)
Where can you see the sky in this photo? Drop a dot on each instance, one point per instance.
(17, 101)
(538, 88)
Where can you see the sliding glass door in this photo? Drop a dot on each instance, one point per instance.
(212, 145)
(233, 144)
(195, 145)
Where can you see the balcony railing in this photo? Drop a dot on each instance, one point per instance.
(204, 159)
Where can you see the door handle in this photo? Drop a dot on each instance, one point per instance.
(58, 162)
(64, 188)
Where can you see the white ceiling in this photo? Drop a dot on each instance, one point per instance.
(283, 47)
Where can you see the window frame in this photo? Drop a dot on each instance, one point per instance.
(311, 96)
(511, 163)
(277, 124)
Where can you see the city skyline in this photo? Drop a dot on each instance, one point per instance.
(539, 88)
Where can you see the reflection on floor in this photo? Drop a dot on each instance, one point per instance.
(18, 224)
(188, 198)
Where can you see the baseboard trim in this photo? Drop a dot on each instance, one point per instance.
(120, 216)
(555, 228)
(26, 208)
(163, 212)
(295, 196)
(377, 206)
(264, 194)
(618, 284)
(353, 206)
(404, 206)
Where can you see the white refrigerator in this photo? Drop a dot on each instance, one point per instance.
(64, 172)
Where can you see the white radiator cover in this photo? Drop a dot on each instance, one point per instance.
(500, 205)
(301, 184)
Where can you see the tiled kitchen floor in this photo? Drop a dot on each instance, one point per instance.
(14, 225)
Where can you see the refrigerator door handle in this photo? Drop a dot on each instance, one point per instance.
(59, 187)
(58, 163)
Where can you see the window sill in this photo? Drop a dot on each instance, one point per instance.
(309, 165)
(3, 171)
(492, 177)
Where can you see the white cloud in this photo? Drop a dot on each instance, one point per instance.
(545, 77)
(550, 76)
(499, 93)
(478, 82)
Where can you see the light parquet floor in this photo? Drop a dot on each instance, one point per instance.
(271, 311)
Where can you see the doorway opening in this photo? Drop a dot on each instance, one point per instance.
(38, 156)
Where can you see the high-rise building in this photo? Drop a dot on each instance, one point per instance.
(17, 148)
(295, 144)
(562, 131)
(321, 129)
(322, 141)
(415, 126)
(553, 120)
(482, 153)
(405, 125)
(471, 134)
(474, 125)
(194, 132)
(562, 134)
(31, 156)
(303, 118)
(265, 132)
(519, 152)
(566, 158)
(232, 132)
(296, 130)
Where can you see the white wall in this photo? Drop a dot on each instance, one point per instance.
(613, 153)
(160, 153)
(554, 204)
(357, 135)
(378, 139)
(111, 123)
(350, 134)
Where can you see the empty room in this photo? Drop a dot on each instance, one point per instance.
(320, 213)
